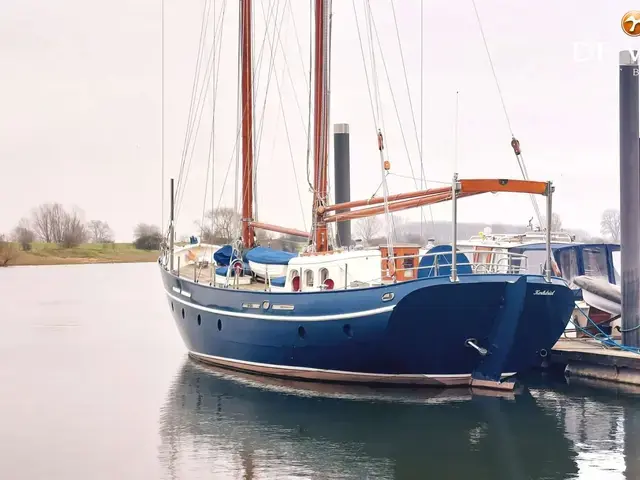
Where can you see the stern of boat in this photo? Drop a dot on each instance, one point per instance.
(489, 325)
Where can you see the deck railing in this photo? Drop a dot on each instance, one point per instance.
(499, 263)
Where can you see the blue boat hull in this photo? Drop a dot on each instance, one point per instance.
(414, 332)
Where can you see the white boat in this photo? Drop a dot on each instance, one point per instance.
(595, 266)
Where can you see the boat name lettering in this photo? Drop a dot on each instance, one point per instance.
(185, 293)
(176, 289)
(544, 292)
(250, 305)
(283, 307)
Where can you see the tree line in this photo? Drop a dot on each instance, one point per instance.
(371, 231)
(52, 223)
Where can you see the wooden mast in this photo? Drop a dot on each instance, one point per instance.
(320, 126)
(247, 124)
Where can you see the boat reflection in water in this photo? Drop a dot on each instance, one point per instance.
(235, 425)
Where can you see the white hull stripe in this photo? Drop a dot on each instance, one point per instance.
(363, 376)
(291, 318)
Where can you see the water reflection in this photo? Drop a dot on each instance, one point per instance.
(602, 420)
(222, 423)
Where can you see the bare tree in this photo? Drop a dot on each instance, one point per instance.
(610, 224)
(72, 230)
(367, 228)
(24, 235)
(220, 226)
(100, 232)
(52, 223)
(46, 221)
(147, 237)
(8, 251)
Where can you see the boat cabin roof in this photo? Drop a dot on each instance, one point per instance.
(339, 256)
(513, 239)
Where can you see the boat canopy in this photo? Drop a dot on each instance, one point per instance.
(269, 256)
(223, 255)
(439, 260)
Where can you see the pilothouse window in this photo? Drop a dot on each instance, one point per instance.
(324, 274)
(569, 264)
(595, 262)
(308, 278)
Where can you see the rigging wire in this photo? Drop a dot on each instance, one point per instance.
(413, 116)
(518, 153)
(309, 103)
(286, 127)
(295, 31)
(214, 92)
(258, 139)
(162, 226)
(383, 169)
(203, 24)
(254, 83)
(422, 176)
(239, 109)
(235, 152)
(183, 174)
(199, 110)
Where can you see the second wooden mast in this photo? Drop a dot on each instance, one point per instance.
(246, 56)
(321, 124)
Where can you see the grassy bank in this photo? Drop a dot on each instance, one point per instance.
(52, 254)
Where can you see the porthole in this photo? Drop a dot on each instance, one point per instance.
(347, 330)
(219, 324)
(301, 332)
(199, 320)
(183, 313)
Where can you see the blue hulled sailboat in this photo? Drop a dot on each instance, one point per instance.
(393, 314)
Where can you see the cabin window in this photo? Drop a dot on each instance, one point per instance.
(407, 267)
(568, 261)
(595, 261)
(617, 266)
(295, 280)
(308, 278)
(324, 274)
(536, 261)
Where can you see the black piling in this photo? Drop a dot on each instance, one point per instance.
(630, 197)
(342, 174)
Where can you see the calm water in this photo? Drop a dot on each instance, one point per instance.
(95, 383)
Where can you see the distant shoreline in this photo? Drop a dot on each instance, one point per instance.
(86, 254)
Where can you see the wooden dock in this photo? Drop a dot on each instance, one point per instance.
(589, 358)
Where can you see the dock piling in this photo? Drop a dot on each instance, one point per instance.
(630, 197)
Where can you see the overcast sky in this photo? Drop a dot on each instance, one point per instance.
(80, 116)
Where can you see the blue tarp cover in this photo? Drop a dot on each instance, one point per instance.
(278, 281)
(223, 255)
(428, 269)
(268, 256)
